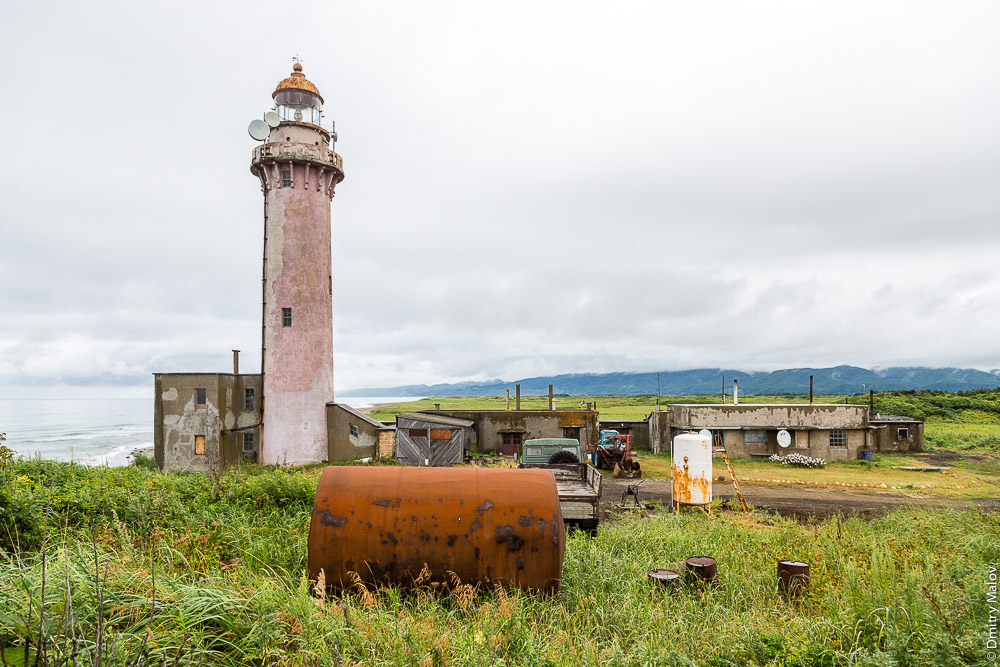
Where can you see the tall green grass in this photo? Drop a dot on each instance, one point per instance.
(205, 569)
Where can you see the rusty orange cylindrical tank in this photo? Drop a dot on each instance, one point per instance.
(484, 524)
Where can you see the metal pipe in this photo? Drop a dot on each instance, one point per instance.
(810, 390)
(236, 362)
(517, 400)
(552, 400)
(485, 525)
(736, 392)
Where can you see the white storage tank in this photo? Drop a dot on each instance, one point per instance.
(692, 469)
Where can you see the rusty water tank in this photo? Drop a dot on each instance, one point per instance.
(691, 460)
(485, 525)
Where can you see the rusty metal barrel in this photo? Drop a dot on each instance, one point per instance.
(702, 568)
(793, 578)
(665, 578)
(487, 525)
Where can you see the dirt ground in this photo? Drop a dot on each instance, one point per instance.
(802, 502)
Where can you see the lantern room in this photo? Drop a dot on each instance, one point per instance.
(297, 99)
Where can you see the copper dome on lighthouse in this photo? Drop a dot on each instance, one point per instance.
(297, 82)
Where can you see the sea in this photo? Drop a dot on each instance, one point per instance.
(95, 431)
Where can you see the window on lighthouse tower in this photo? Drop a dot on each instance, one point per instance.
(299, 106)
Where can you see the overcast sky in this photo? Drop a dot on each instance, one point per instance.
(531, 188)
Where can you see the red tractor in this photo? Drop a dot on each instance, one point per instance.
(614, 452)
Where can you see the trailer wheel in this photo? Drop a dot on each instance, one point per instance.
(564, 457)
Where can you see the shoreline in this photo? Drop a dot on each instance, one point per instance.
(141, 451)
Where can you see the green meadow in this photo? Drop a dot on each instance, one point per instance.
(129, 566)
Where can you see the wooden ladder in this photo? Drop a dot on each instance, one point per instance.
(721, 448)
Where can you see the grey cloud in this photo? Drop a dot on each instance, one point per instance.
(530, 189)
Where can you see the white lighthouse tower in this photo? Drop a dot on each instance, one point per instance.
(298, 171)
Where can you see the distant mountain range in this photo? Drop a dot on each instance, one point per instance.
(837, 380)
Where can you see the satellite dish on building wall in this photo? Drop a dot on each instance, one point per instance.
(272, 119)
(784, 438)
(705, 433)
(259, 130)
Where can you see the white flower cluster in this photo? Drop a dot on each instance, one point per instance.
(800, 460)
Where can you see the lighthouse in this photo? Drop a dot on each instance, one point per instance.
(298, 171)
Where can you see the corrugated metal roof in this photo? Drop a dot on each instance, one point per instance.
(347, 408)
(892, 418)
(433, 418)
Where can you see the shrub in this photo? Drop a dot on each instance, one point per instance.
(20, 524)
(146, 462)
(798, 461)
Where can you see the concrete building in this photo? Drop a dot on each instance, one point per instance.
(205, 419)
(639, 430)
(830, 432)
(298, 172)
(352, 434)
(892, 433)
(505, 430)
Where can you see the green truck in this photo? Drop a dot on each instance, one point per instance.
(578, 483)
(551, 450)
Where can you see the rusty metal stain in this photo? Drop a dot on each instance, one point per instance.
(328, 519)
(506, 546)
(297, 81)
(690, 490)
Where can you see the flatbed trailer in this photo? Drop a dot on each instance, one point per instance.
(579, 486)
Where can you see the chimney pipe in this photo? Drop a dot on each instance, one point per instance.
(517, 400)
(736, 393)
(437, 406)
(552, 401)
(810, 390)
(508, 399)
(236, 362)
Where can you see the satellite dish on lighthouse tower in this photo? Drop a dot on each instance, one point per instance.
(259, 130)
(272, 119)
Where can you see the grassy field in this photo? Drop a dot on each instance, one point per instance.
(131, 562)
(963, 437)
(611, 407)
(963, 480)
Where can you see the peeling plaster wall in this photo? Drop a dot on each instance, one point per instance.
(768, 416)
(343, 445)
(886, 436)
(298, 359)
(731, 421)
(178, 419)
(533, 423)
